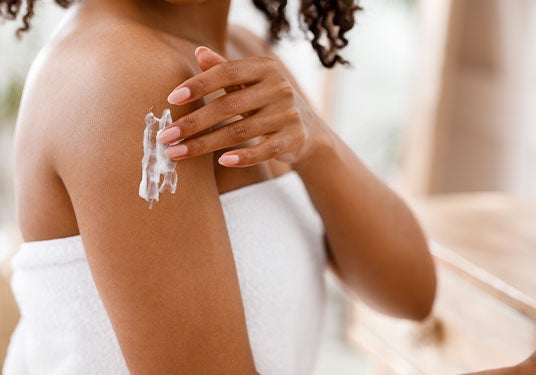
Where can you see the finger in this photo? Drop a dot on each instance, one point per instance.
(208, 58)
(278, 145)
(230, 135)
(229, 73)
(220, 109)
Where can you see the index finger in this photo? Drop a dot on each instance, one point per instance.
(226, 74)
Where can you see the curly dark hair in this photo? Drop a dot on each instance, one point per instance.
(325, 22)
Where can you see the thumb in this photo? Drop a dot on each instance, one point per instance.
(207, 58)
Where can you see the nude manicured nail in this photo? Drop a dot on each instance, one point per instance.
(176, 151)
(179, 95)
(229, 159)
(201, 49)
(168, 135)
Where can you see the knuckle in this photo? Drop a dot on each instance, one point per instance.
(239, 133)
(300, 137)
(266, 63)
(201, 83)
(230, 105)
(189, 125)
(269, 61)
(196, 147)
(257, 59)
(273, 148)
(285, 89)
(231, 71)
(256, 124)
(292, 114)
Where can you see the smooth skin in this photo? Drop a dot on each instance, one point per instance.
(376, 245)
(167, 276)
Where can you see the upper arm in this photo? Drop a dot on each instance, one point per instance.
(166, 275)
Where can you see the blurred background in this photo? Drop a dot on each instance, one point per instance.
(440, 101)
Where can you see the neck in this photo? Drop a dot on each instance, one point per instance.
(201, 22)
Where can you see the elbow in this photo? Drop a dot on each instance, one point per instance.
(423, 293)
(423, 300)
(418, 311)
(415, 302)
(422, 312)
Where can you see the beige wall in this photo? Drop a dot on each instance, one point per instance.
(473, 115)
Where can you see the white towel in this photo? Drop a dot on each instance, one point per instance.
(277, 241)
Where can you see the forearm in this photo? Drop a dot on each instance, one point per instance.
(377, 246)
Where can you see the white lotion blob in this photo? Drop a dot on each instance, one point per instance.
(155, 162)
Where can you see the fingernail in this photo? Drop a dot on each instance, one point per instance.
(229, 159)
(179, 95)
(168, 135)
(176, 151)
(201, 49)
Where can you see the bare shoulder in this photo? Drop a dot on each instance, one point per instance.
(98, 85)
(85, 104)
(85, 100)
(96, 133)
(109, 60)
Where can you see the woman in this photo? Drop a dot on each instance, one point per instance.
(225, 276)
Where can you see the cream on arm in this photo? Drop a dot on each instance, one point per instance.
(158, 172)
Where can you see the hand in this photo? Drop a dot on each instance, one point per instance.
(264, 99)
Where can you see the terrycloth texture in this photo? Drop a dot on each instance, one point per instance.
(277, 244)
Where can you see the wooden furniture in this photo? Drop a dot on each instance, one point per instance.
(484, 317)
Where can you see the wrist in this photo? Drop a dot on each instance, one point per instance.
(321, 147)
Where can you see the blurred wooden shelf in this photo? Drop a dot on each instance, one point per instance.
(493, 238)
(485, 313)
